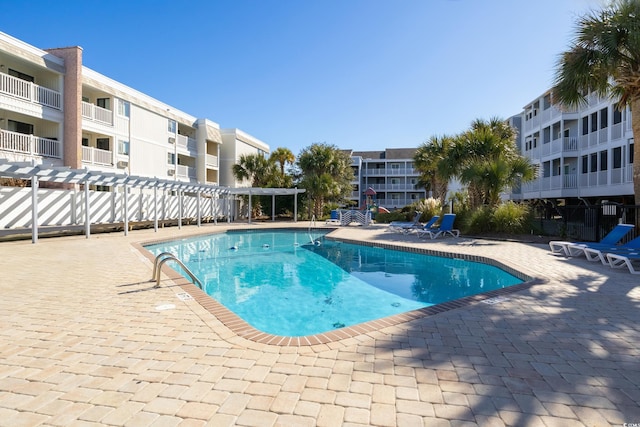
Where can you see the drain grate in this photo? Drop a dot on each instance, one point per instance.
(495, 300)
(184, 296)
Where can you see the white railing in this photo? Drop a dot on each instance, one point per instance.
(185, 171)
(186, 142)
(616, 131)
(570, 143)
(211, 160)
(570, 181)
(29, 144)
(30, 91)
(97, 156)
(98, 114)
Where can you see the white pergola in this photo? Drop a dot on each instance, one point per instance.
(273, 192)
(65, 175)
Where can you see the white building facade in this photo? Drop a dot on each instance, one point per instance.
(390, 173)
(55, 111)
(583, 155)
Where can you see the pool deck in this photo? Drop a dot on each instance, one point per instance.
(86, 339)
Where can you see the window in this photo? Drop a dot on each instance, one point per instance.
(20, 127)
(546, 170)
(102, 143)
(171, 158)
(21, 76)
(604, 157)
(85, 142)
(124, 108)
(594, 162)
(123, 147)
(171, 127)
(617, 116)
(594, 122)
(617, 157)
(604, 118)
(631, 153)
(585, 164)
(103, 103)
(585, 125)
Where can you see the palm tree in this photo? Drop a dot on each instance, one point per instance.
(604, 58)
(282, 156)
(326, 175)
(254, 168)
(432, 160)
(487, 160)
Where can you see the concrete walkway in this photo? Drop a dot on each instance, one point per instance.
(82, 342)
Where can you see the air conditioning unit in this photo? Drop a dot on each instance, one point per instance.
(122, 164)
(172, 140)
(171, 172)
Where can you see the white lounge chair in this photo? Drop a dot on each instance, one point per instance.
(620, 261)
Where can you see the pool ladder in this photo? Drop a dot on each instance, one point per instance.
(168, 256)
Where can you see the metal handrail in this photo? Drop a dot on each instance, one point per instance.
(168, 256)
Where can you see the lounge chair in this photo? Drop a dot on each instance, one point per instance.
(446, 227)
(599, 252)
(620, 261)
(428, 225)
(575, 248)
(405, 227)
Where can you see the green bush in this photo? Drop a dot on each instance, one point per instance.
(478, 221)
(385, 218)
(511, 217)
(429, 207)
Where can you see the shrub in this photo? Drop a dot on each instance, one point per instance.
(479, 221)
(510, 217)
(385, 218)
(429, 207)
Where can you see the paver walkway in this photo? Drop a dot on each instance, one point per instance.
(83, 343)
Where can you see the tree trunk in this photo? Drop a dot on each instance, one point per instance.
(635, 126)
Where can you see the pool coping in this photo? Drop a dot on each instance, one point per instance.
(244, 330)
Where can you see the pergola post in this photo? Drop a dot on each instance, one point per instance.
(295, 206)
(87, 213)
(34, 209)
(126, 211)
(249, 214)
(199, 212)
(273, 207)
(228, 206)
(155, 209)
(179, 209)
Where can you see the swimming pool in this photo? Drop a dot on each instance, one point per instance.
(291, 283)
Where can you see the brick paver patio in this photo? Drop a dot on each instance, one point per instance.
(82, 342)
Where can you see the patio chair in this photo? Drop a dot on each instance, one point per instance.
(405, 227)
(575, 248)
(599, 252)
(446, 227)
(620, 261)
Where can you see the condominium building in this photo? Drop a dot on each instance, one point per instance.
(55, 111)
(583, 154)
(236, 143)
(390, 173)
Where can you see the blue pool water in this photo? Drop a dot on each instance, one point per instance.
(283, 284)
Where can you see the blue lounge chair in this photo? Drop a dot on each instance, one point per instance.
(598, 252)
(446, 227)
(428, 225)
(575, 248)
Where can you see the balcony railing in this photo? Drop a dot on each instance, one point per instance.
(29, 144)
(97, 156)
(186, 142)
(31, 92)
(98, 114)
(185, 171)
(211, 161)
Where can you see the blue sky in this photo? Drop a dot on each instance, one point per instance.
(361, 74)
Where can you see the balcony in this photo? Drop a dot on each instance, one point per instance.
(29, 144)
(186, 142)
(96, 156)
(185, 171)
(211, 161)
(97, 114)
(30, 92)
